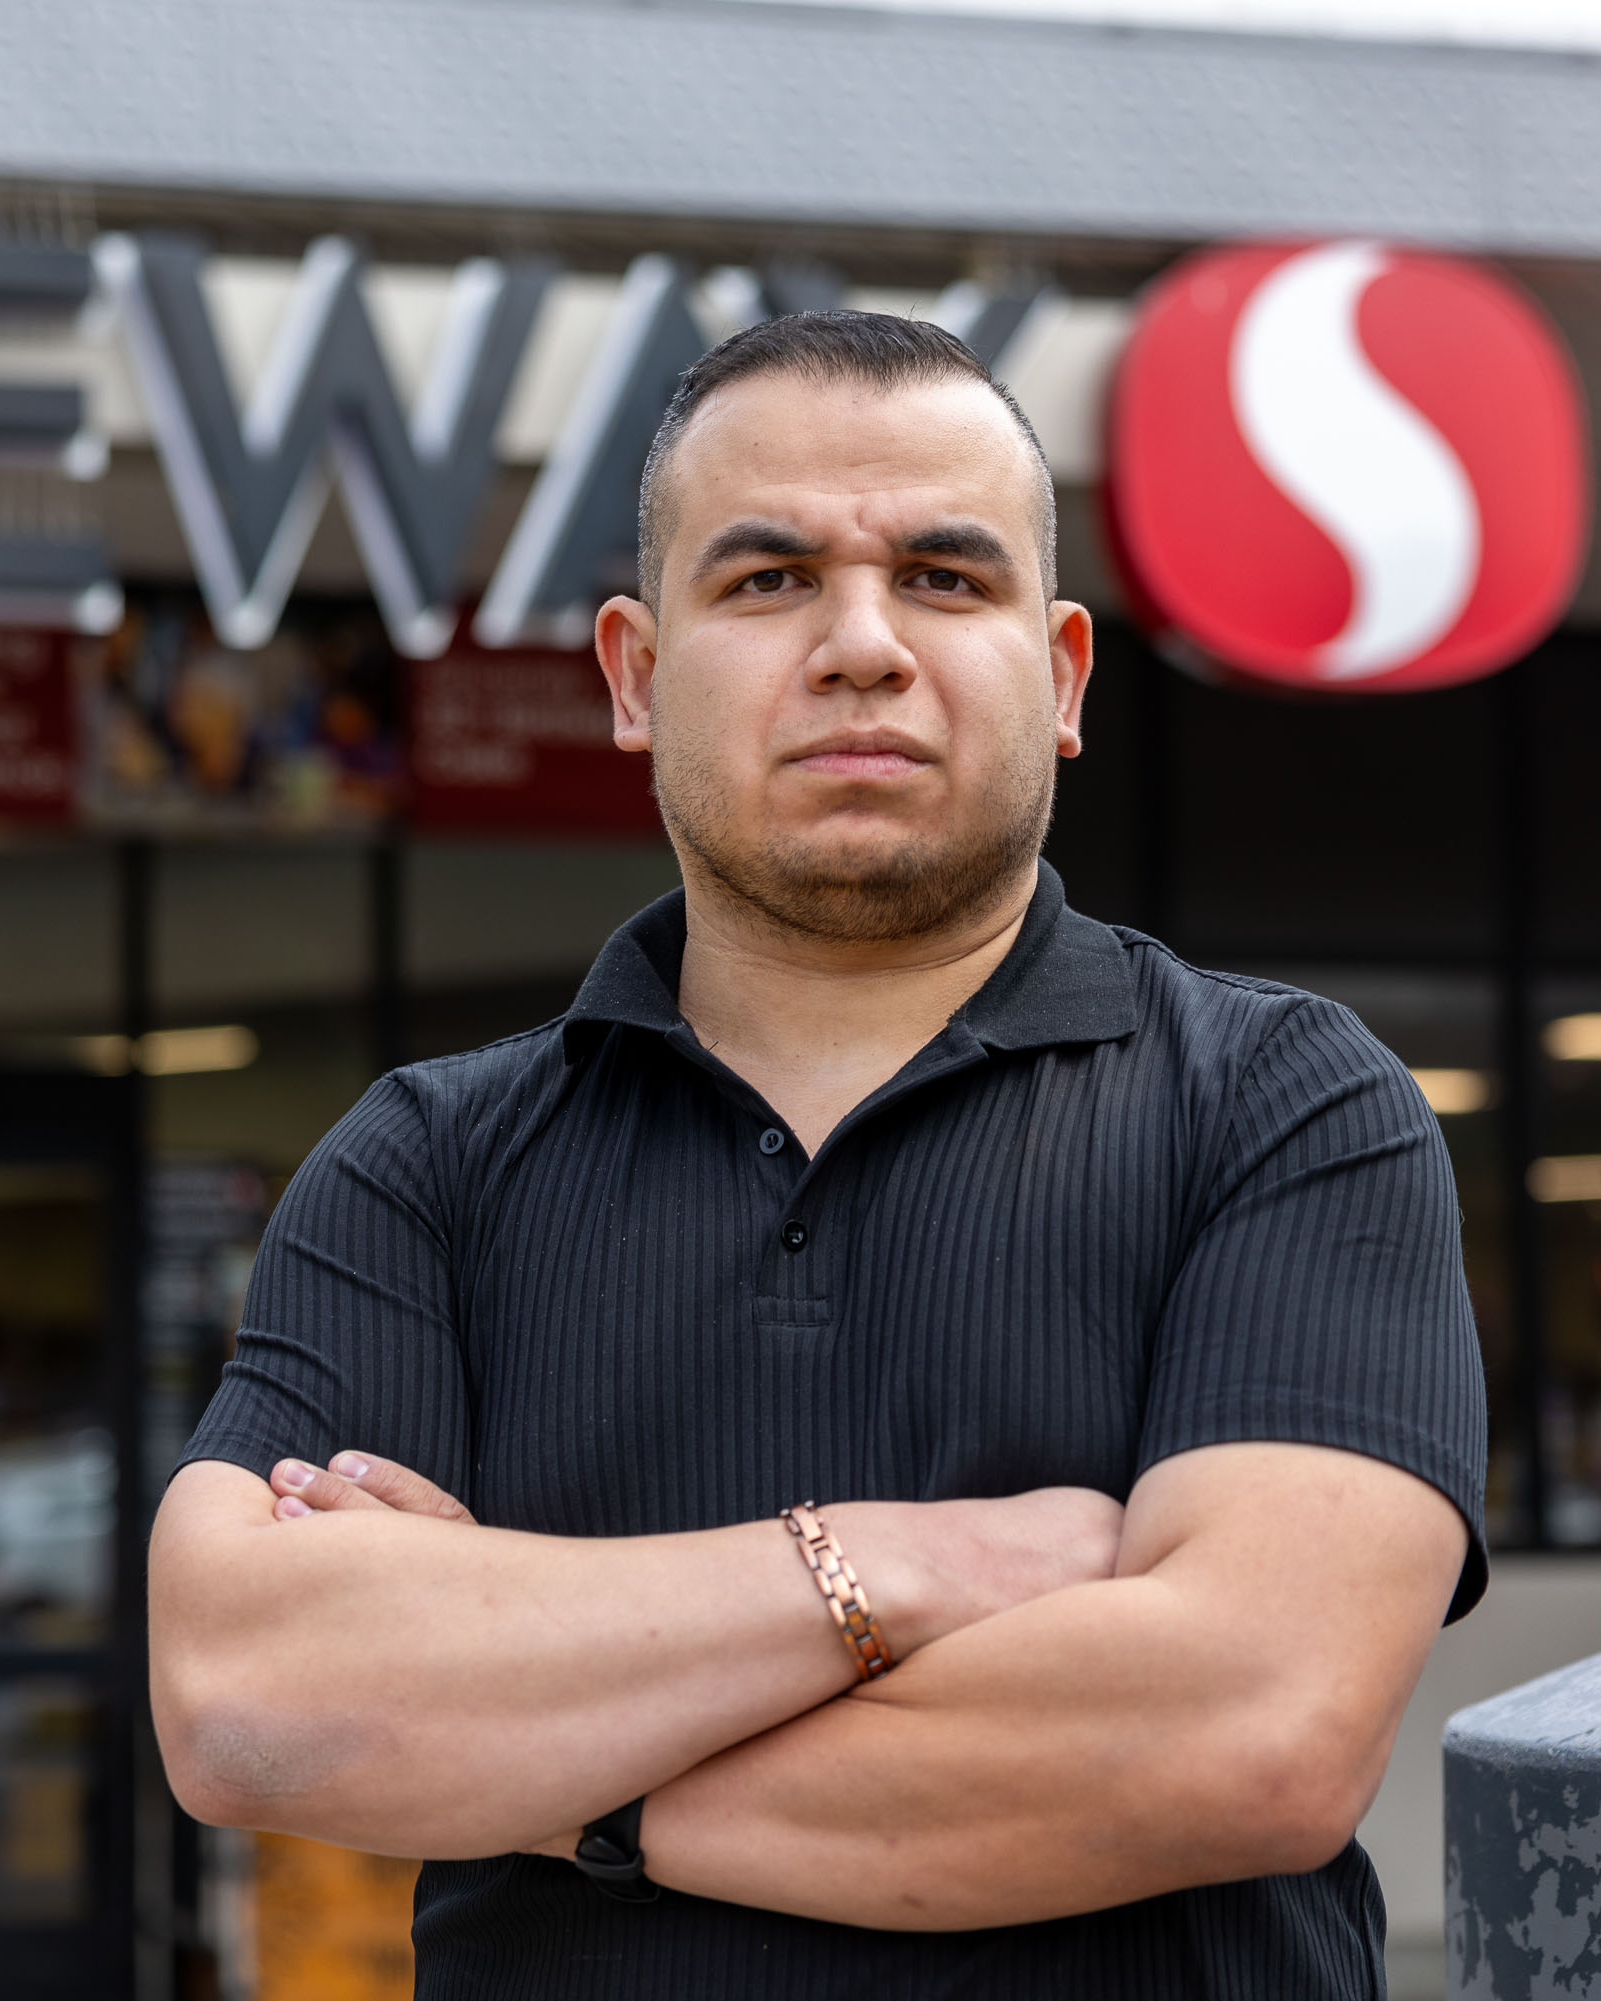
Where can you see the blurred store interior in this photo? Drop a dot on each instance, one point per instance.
(240, 880)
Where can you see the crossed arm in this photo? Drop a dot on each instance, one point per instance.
(1087, 1710)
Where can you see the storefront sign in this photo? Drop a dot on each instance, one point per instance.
(1344, 465)
(38, 727)
(249, 486)
(521, 742)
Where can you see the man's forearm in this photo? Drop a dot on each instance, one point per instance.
(399, 1683)
(390, 1680)
(1081, 1751)
(1222, 1708)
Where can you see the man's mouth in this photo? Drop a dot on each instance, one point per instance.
(867, 755)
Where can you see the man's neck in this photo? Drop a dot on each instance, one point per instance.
(817, 1026)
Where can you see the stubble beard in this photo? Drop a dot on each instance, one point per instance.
(883, 891)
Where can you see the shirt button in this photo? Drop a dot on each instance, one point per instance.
(771, 1140)
(793, 1235)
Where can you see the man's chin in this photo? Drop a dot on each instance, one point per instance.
(865, 865)
(877, 892)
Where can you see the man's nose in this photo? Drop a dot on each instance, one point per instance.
(861, 644)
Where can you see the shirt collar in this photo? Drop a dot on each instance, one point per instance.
(1065, 979)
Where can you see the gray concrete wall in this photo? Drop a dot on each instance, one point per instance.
(696, 107)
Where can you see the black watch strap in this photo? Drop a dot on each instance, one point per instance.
(608, 1853)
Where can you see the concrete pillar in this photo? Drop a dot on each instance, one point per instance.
(1523, 1842)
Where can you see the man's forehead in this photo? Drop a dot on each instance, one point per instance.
(782, 445)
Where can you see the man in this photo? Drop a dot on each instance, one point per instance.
(864, 1171)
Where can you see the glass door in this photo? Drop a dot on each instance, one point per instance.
(71, 1535)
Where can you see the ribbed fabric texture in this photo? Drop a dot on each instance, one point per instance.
(1118, 1209)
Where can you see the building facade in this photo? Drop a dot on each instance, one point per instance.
(330, 339)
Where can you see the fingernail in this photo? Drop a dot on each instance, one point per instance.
(350, 1466)
(294, 1474)
(290, 1506)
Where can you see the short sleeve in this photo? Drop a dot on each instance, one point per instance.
(349, 1330)
(1322, 1299)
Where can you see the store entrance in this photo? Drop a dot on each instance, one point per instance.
(71, 1533)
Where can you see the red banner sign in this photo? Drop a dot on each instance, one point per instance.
(38, 727)
(521, 742)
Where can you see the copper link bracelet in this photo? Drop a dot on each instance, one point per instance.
(842, 1591)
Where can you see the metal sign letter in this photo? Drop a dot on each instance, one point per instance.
(249, 491)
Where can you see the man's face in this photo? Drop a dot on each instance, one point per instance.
(854, 689)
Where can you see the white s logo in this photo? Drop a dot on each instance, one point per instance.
(1356, 458)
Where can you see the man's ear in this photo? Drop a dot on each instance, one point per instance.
(1072, 656)
(625, 643)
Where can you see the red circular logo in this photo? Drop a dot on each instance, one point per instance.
(1344, 465)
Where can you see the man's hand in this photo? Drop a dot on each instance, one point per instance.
(358, 1480)
(984, 1557)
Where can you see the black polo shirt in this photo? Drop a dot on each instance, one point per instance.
(587, 1280)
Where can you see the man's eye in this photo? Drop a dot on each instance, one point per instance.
(767, 581)
(944, 580)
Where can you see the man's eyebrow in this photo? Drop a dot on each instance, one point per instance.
(752, 538)
(958, 538)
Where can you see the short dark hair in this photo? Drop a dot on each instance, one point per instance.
(879, 349)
